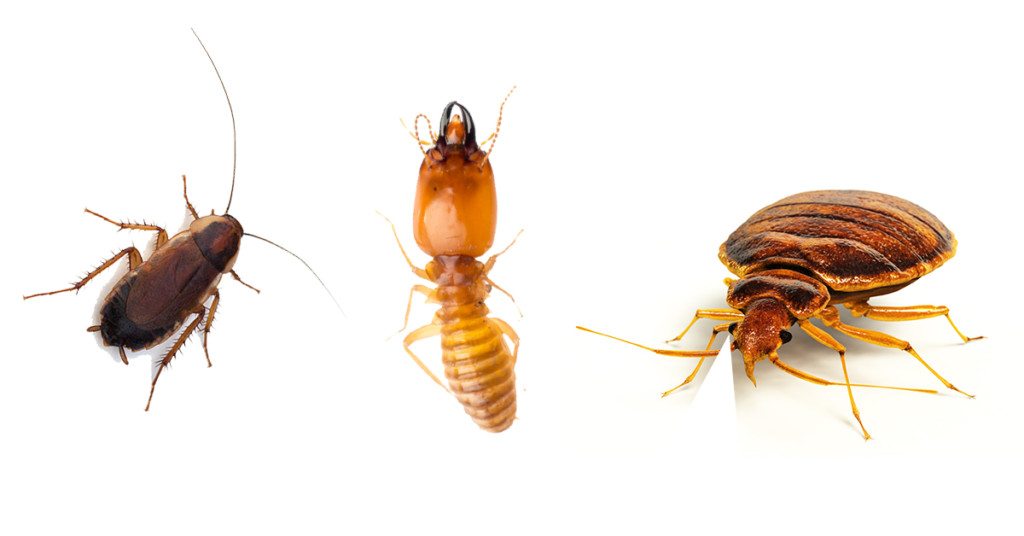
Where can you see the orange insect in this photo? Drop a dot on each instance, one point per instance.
(454, 221)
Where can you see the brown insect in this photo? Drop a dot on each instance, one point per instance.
(454, 221)
(802, 256)
(157, 295)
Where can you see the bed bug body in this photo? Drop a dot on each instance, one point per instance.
(799, 258)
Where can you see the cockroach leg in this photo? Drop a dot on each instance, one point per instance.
(420, 272)
(239, 279)
(830, 315)
(693, 374)
(188, 204)
(185, 334)
(209, 325)
(134, 259)
(92, 329)
(418, 334)
(124, 356)
(511, 334)
(824, 338)
(431, 295)
(713, 314)
(899, 314)
(490, 261)
(161, 234)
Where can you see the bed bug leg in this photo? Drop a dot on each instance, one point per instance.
(511, 334)
(239, 279)
(830, 315)
(174, 350)
(418, 334)
(693, 374)
(899, 314)
(134, 259)
(713, 314)
(824, 338)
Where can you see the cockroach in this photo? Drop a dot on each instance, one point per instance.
(158, 295)
(802, 256)
(454, 221)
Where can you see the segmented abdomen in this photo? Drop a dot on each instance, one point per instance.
(477, 362)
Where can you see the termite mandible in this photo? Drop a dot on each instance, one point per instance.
(454, 221)
(157, 295)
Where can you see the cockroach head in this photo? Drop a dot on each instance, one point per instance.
(457, 131)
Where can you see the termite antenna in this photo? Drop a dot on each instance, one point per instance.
(497, 129)
(234, 131)
(310, 268)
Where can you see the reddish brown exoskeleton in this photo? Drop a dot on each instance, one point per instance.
(158, 295)
(454, 221)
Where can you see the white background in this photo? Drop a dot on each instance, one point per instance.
(639, 138)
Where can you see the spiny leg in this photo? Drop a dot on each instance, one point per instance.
(899, 314)
(239, 279)
(819, 335)
(174, 350)
(511, 334)
(415, 269)
(713, 314)
(431, 295)
(188, 204)
(830, 315)
(714, 334)
(134, 259)
(490, 262)
(418, 334)
(209, 325)
(161, 234)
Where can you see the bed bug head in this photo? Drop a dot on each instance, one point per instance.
(761, 332)
(456, 205)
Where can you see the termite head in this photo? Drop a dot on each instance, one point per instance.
(761, 332)
(456, 205)
(218, 237)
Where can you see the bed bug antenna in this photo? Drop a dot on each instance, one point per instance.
(310, 268)
(234, 130)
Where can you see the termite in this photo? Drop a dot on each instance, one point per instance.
(158, 295)
(454, 221)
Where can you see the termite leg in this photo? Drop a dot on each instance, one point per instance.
(174, 350)
(822, 337)
(134, 259)
(209, 325)
(415, 269)
(714, 334)
(713, 314)
(511, 334)
(239, 279)
(431, 295)
(421, 333)
(899, 314)
(830, 315)
(673, 353)
(505, 292)
(490, 262)
(161, 234)
(188, 204)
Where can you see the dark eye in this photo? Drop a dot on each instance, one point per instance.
(732, 328)
(785, 336)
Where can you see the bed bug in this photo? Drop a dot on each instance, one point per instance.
(454, 221)
(158, 295)
(801, 257)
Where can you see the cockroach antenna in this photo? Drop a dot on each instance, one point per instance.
(310, 268)
(234, 130)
